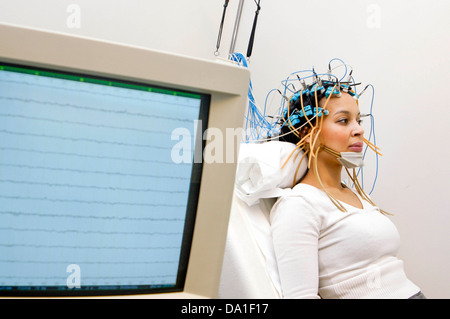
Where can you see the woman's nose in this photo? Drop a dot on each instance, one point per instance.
(358, 130)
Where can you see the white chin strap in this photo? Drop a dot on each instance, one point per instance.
(352, 159)
(348, 159)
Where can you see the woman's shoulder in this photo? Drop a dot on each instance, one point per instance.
(296, 210)
(302, 199)
(309, 193)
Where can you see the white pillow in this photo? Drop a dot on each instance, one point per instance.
(259, 173)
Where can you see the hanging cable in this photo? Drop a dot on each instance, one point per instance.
(252, 35)
(219, 37)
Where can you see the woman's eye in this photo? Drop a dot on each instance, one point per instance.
(345, 121)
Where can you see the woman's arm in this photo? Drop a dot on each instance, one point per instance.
(295, 233)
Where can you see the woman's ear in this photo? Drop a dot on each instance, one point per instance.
(308, 139)
(305, 131)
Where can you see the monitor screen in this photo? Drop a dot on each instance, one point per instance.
(94, 196)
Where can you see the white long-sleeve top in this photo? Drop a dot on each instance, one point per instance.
(323, 252)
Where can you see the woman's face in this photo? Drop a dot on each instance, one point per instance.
(341, 129)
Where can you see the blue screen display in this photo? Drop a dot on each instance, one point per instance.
(91, 197)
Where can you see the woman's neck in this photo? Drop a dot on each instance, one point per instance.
(328, 171)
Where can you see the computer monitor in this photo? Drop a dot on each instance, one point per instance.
(103, 187)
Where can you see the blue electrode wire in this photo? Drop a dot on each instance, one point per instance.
(256, 122)
(343, 63)
(372, 131)
(286, 83)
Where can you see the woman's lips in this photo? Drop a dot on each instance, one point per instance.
(356, 147)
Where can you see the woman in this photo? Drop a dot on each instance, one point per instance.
(331, 241)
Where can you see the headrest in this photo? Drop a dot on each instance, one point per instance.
(259, 173)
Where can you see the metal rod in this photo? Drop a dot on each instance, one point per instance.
(236, 27)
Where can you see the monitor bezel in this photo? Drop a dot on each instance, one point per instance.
(191, 207)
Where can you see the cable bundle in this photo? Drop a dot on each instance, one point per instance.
(299, 109)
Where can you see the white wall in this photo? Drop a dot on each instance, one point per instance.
(401, 47)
